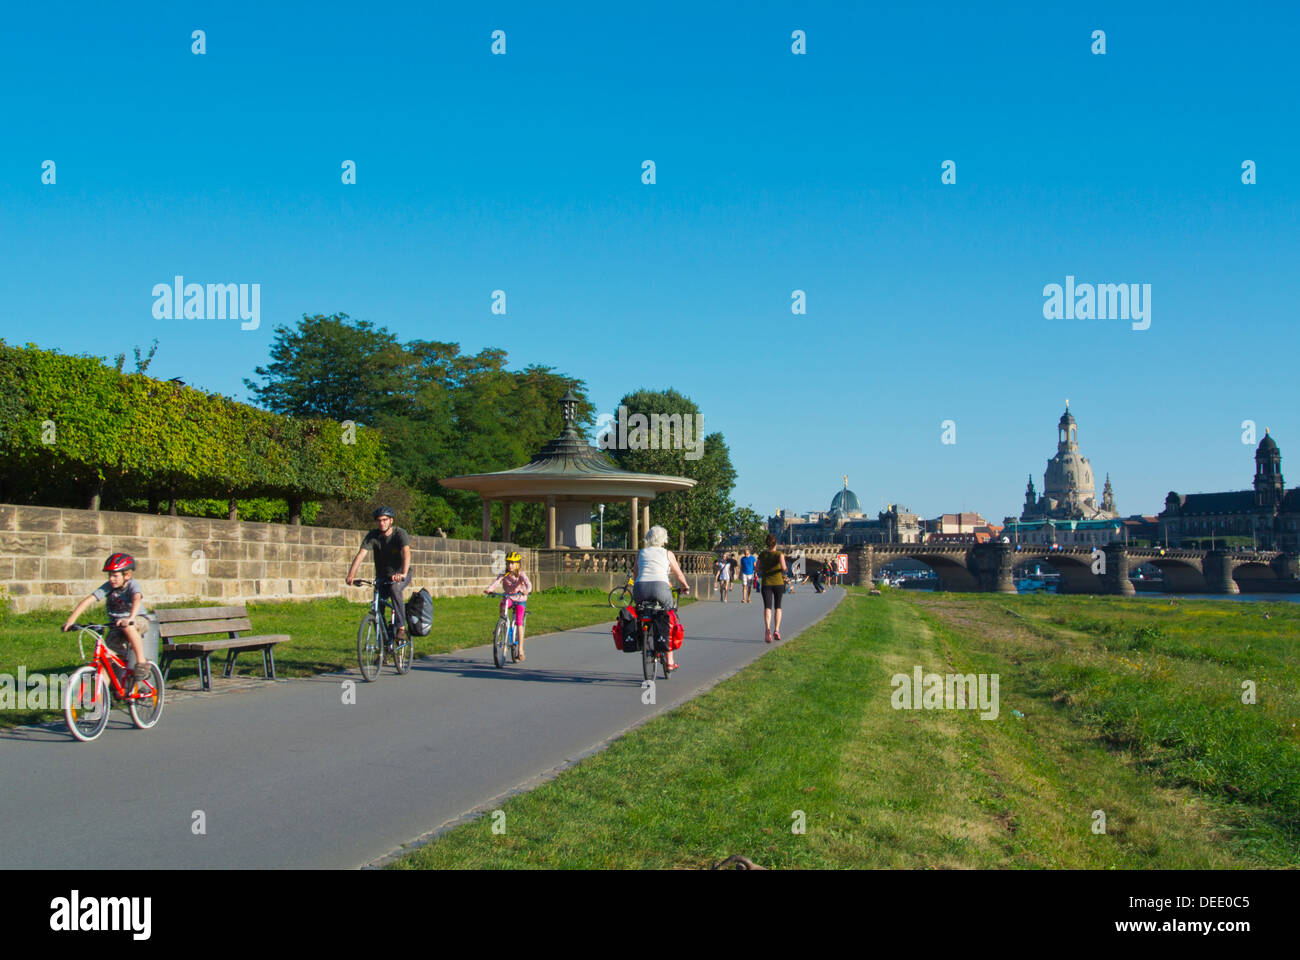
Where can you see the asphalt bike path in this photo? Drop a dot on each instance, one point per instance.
(287, 774)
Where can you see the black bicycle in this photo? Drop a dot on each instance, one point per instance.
(377, 637)
(647, 611)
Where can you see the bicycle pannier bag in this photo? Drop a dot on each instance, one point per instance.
(627, 631)
(419, 613)
(676, 632)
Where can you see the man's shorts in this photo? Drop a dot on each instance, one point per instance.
(747, 578)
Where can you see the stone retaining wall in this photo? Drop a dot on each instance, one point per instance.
(51, 558)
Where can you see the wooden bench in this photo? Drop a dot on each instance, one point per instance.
(206, 621)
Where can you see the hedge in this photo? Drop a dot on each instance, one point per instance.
(65, 418)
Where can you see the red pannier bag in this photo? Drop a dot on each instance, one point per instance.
(676, 632)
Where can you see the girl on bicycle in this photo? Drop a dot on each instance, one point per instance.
(516, 586)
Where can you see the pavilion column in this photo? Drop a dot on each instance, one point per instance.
(645, 519)
(505, 520)
(550, 522)
(487, 519)
(632, 517)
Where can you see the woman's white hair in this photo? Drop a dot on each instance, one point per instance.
(656, 537)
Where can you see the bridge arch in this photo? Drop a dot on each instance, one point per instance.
(1180, 575)
(1253, 571)
(1075, 569)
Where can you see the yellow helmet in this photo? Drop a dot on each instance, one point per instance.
(514, 557)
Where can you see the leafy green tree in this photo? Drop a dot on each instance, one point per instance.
(703, 511)
(333, 367)
(441, 412)
(749, 527)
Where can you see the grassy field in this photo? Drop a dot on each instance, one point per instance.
(1123, 706)
(323, 635)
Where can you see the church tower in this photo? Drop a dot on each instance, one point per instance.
(1068, 485)
(1269, 485)
(1031, 499)
(1067, 432)
(1108, 497)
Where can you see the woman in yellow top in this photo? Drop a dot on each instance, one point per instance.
(771, 573)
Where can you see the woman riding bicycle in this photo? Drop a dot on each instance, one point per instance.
(516, 586)
(653, 564)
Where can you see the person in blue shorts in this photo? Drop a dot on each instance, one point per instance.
(747, 561)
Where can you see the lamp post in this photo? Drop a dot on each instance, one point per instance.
(601, 541)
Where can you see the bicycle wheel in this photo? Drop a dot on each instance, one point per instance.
(370, 650)
(403, 653)
(499, 642)
(145, 710)
(648, 659)
(518, 645)
(86, 708)
(620, 597)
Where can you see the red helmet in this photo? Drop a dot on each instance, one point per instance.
(119, 561)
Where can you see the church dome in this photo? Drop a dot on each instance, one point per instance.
(845, 502)
(1067, 419)
(1268, 444)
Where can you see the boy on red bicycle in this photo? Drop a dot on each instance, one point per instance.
(123, 600)
(516, 586)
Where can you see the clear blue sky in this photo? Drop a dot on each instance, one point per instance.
(775, 172)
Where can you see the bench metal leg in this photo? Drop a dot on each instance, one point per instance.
(268, 662)
(230, 662)
(166, 664)
(205, 671)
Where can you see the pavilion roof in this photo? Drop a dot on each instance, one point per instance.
(568, 466)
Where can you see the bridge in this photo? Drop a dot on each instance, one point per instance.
(989, 567)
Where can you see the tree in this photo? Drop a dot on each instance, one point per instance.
(336, 368)
(706, 507)
(749, 527)
(441, 412)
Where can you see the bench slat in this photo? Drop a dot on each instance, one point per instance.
(194, 646)
(198, 628)
(200, 613)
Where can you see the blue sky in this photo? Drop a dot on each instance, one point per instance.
(775, 172)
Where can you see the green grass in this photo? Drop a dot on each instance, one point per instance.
(323, 635)
(1151, 735)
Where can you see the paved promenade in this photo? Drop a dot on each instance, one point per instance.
(286, 774)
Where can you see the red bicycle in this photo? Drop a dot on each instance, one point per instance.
(88, 696)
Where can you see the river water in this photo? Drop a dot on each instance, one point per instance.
(1155, 594)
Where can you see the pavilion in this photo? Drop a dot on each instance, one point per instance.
(569, 475)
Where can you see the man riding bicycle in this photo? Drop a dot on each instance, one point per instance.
(392, 547)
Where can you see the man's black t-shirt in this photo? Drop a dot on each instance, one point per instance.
(388, 550)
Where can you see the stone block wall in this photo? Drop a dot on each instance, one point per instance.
(51, 558)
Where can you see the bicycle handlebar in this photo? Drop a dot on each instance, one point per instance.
(97, 630)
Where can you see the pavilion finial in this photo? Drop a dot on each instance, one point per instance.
(569, 408)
